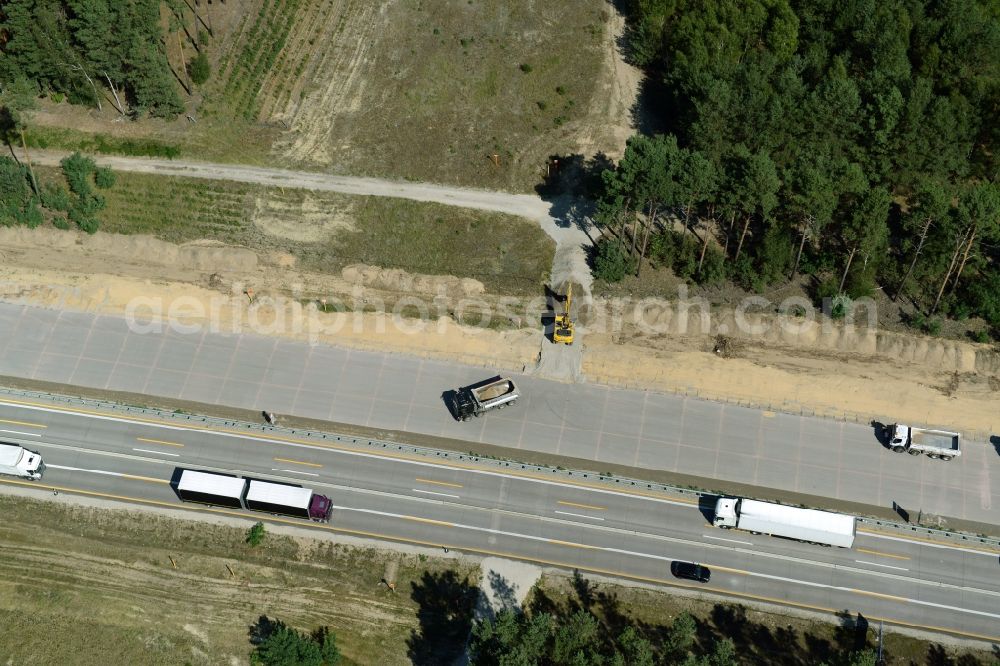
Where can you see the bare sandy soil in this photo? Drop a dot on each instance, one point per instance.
(206, 285)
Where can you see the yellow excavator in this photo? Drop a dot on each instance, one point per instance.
(563, 330)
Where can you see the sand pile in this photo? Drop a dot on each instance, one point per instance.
(663, 318)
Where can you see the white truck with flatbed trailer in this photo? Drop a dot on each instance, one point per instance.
(18, 461)
(939, 444)
(479, 398)
(791, 522)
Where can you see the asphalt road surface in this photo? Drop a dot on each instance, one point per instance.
(398, 393)
(912, 582)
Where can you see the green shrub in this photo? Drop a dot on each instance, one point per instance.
(77, 170)
(31, 216)
(933, 326)
(104, 178)
(982, 337)
(713, 268)
(840, 306)
(55, 197)
(984, 297)
(199, 68)
(284, 646)
(611, 263)
(526, 68)
(255, 535)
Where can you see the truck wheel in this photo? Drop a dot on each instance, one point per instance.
(465, 418)
(513, 402)
(502, 406)
(477, 415)
(898, 449)
(913, 453)
(932, 455)
(946, 458)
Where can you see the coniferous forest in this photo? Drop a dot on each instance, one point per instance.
(854, 142)
(90, 50)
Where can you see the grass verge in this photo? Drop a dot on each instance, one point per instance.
(96, 586)
(327, 231)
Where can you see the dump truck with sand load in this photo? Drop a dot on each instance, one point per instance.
(791, 522)
(18, 461)
(479, 398)
(940, 444)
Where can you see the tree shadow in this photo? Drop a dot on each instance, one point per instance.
(504, 594)
(732, 622)
(261, 630)
(584, 591)
(571, 186)
(652, 112)
(852, 632)
(445, 610)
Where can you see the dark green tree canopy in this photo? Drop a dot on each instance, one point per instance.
(82, 47)
(858, 139)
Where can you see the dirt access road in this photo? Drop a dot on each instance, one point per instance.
(562, 219)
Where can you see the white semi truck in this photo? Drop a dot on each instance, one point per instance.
(479, 398)
(240, 493)
(18, 461)
(939, 444)
(810, 525)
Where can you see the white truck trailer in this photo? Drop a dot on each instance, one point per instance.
(18, 461)
(475, 400)
(810, 525)
(939, 444)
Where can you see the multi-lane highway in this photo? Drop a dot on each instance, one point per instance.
(585, 421)
(521, 514)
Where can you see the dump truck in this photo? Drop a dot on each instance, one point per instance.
(939, 444)
(809, 525)
(477, 399)
(18, 461)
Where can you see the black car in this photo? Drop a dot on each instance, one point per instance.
(691, 571)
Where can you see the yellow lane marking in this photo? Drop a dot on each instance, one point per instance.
(23, 423)
(158, 441)
(570, 543)
(149, 479)
(297, 462)
(429, 521)
(879, 595)
(881, 554)
(768, 415)
(582, 506)
(907, 537)
(440, 483)
(486, 551)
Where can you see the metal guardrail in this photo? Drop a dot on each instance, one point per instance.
(362, 443)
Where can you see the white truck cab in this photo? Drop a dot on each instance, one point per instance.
(725, 512)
